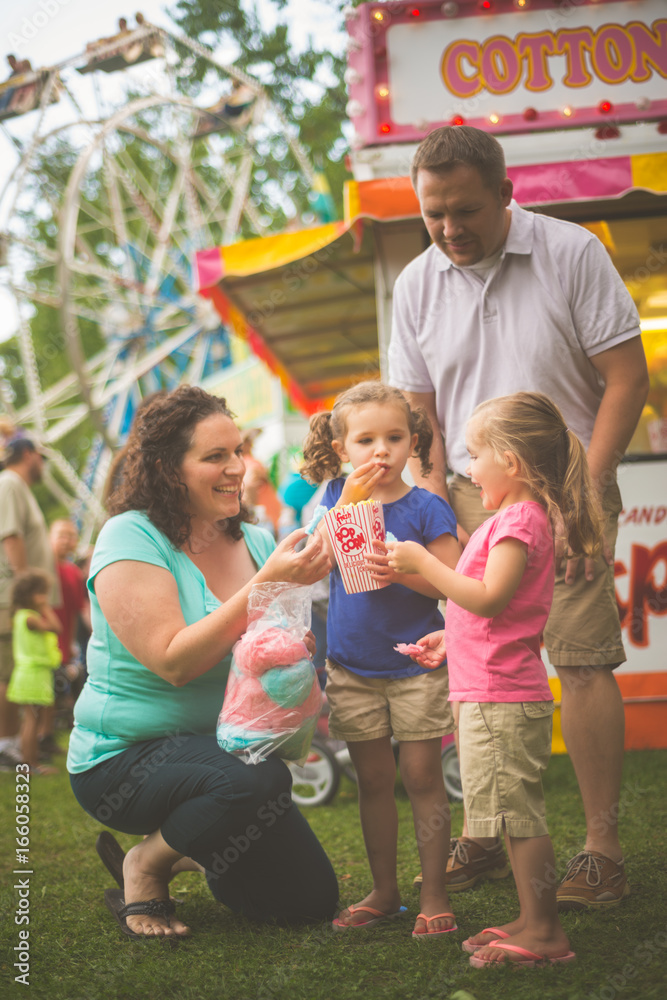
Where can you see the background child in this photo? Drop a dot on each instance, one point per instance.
(36, 655)
(374, 691)
(533, 471)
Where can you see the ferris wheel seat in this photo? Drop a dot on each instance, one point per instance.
(217, 119)
(130, 51)
(23, 93)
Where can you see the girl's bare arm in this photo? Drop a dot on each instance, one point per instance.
(487, 597)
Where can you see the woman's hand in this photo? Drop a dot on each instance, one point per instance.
(286, 565)
(361, 482)
(406, 557)
(434, 651)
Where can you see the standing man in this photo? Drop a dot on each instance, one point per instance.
(506, 300)
(24, 542)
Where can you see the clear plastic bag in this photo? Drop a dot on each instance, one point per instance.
(273, 697)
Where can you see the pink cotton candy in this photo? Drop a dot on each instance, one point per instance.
(247, 705)
(257, 652)
(408, 648)
(244, 700)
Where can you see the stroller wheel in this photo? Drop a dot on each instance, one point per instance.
(315, 782)
(451, 773)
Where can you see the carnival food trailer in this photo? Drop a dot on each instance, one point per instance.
(577, 94)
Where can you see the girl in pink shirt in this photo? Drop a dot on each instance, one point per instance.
(533, 471)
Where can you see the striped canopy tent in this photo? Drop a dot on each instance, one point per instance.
(313, 304)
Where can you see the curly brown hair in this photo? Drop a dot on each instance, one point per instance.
(151, 481)
(321, 461)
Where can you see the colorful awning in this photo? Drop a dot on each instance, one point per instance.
(305, 300)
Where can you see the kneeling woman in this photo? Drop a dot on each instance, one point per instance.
(169, 584)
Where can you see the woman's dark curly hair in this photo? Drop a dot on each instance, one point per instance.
(151, 482)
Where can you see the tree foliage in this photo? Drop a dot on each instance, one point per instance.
(308, 86)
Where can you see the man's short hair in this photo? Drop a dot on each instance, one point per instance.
(16, 448)
(453, 145)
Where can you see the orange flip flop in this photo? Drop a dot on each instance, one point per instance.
(471, 948)
(429, 920)
(529, 959)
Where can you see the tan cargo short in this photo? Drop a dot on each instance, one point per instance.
(505, 747)
(367, 708)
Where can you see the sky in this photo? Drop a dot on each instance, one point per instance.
(49, 31)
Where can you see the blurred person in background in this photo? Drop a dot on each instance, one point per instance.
(24, 543)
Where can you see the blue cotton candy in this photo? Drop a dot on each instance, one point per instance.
(260, 745)
(289, 686)
(235, 738)
(318, 514)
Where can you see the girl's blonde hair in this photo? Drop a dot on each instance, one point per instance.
(321, 461)
(26, 585)
(552, 459)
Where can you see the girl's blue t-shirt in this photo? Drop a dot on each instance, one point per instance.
(362, 629)
(122, 702)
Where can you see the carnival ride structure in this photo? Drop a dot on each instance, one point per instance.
(99, 222)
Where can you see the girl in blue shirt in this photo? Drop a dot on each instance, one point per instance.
(375, 692)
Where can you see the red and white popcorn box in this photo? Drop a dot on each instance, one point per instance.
(352, 529)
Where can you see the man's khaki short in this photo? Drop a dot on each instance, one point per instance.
(584, 628)
(504, 748)
(6, 655)
(367, 708)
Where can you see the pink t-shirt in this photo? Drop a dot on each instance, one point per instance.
(498, 659)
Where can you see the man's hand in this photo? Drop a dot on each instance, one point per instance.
(563, 551)
(406, 557)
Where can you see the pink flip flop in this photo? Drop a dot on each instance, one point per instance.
(471, 948)
(529, 958)
(377, 917)
(422, 935)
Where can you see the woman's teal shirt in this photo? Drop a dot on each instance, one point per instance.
(122, 701)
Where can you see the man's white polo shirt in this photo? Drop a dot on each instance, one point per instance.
(552, 301)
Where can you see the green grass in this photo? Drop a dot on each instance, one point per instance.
(77, 952)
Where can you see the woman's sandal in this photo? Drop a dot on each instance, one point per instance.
(111, 855)
(164, 908)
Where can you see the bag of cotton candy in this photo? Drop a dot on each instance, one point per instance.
(273, 698)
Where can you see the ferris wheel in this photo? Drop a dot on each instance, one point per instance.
(99, 223)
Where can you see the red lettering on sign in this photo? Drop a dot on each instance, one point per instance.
(646, 596)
